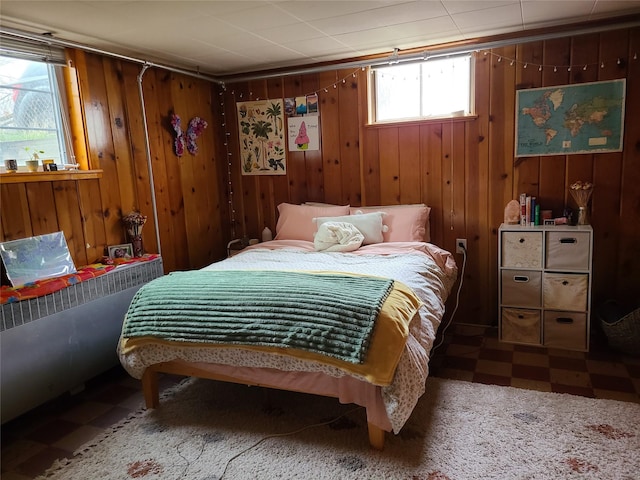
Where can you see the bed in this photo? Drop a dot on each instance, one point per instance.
(387, 384)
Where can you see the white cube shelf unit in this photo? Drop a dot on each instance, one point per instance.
(544, 276)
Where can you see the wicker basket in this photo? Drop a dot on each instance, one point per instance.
(623, 332)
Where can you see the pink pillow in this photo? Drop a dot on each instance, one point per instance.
(407, 223)
(295, 222)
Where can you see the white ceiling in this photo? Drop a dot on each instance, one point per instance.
(226, 37)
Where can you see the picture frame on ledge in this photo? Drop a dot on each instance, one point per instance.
(30, 259)
(124, 250)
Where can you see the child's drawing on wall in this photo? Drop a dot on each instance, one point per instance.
(302, 140)
(303, 134)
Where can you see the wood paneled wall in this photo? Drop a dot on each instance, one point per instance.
(464, 168)
(187, 188)
(38, 208)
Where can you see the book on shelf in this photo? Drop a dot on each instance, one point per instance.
(529, 210)
(532, 210)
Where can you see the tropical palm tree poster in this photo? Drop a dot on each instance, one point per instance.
(261, 131)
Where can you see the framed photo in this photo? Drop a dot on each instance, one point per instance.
(124, 250)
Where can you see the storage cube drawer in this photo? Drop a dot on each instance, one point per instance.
(521, 249)
(565, 330)
(567, 250)
(565, 291)
(520, 326)
(544, 275)
(522, 288)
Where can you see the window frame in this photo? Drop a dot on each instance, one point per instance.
(55, 91)
(372, 96)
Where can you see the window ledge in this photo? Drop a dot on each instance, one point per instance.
(421, 121)
(61, 175)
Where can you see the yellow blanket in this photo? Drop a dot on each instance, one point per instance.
(387, 341)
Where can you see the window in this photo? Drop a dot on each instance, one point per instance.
(439, 87)
(30, 114)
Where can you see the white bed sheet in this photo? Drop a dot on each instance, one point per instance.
(428, 270)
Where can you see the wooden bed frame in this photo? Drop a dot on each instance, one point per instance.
(152, 397)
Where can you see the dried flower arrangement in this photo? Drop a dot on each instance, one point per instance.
(581, 193)
(134, 222)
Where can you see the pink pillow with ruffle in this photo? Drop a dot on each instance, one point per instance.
(407, 223)
(295, 222)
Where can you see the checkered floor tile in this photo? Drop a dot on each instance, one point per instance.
(474, 354)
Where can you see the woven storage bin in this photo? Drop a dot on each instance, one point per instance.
(622, 334)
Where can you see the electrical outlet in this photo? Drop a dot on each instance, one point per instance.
(461, 245)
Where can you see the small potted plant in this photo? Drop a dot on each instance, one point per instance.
(34, 159)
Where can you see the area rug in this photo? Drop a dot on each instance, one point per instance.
(207, 430)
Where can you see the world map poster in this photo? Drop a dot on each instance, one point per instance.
(560, 120)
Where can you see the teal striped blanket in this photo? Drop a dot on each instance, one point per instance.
(330, 314)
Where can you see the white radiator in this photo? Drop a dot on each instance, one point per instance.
(54, 343)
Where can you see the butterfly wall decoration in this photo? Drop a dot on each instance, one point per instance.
(194, 130)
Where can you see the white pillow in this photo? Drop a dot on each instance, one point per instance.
(369, 224)
(337, 237)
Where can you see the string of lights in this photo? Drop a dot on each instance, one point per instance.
(227, 134)
(556, 68)
(525, 64)
(324, 89)
(343, 80)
